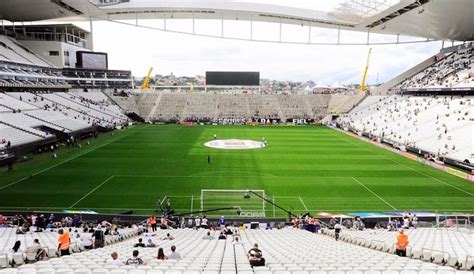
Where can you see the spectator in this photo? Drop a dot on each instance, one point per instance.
(406, 223)
(415, 221)
(255, 256)
(401, 243)
(197, 222)
(174, 255)
(222, 222)
(135, 260)
(222, 236)
(16, 247)
(39, 252)
(99, 237)
(150, 243)
(337, 230)
(208, 236)
(164, 222)
(114, 259)
(116, 234)
(236, 241)
(86, 239)
(152, 223)
(204, 222)
(161, 255)
(64, 242)
(140, 243)
(168, 237)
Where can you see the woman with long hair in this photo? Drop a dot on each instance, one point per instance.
(16, 246)
(161, 254)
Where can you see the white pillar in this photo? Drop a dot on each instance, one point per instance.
(91, 25)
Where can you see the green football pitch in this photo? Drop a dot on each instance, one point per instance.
(315, 169)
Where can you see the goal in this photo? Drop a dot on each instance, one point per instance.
(245, 203)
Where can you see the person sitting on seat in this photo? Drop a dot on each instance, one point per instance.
(36, 249)
(135, 260)
(150, 243)
(255, 256)
(236, 241)
(208, 236)
(174, 255)
(161, 255)
(168, 237)
(222, 236)
(140, 243)
(114, 260)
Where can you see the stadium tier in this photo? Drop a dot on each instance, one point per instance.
(285, 251)
(455, 70)
(441, 125)
(208, 107)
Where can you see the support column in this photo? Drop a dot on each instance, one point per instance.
(91, 25)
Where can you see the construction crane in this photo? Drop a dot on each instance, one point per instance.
(146, 81)
(362, 85)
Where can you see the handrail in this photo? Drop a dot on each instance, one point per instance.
(431, 249)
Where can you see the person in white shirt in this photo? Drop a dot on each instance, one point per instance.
(204, 222)
(174, 255)
(406, 223)
(197, 222)
(337, 230)
(114, 260)
(86, 239)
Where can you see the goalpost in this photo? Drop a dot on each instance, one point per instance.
(246, 203)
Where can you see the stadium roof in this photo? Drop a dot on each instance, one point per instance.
(439, 20)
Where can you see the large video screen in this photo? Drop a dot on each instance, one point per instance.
(91, 60)
(233, 78)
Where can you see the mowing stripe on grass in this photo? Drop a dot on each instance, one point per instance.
(90, 192)
(67, 160)
(375, 194)
(402, 164)
(301, 200)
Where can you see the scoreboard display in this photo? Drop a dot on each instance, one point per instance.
(233, 78)
(91, 60)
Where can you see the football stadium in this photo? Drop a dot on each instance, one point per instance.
(241, 167)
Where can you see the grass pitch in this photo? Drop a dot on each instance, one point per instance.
(303, 168)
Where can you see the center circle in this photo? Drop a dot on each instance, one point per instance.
(235, 144)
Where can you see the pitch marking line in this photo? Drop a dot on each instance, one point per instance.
(301, 200)
(163, 200)
(402, 164)
(375, 194)
(67, 160)
(94, 189)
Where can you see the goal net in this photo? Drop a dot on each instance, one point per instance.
(243, 201)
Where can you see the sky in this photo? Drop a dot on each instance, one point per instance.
(137, 49)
